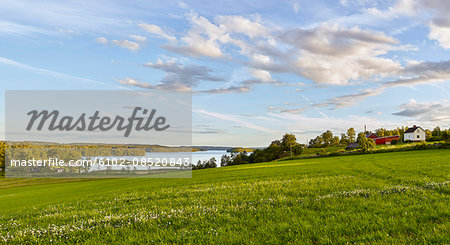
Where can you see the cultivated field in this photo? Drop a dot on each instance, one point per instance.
(400, 197)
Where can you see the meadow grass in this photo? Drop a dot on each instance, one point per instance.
(399, 197)
(329, 149)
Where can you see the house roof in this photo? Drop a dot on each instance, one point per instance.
(367, 135)
(411, 130)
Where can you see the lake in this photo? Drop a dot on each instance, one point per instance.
(195, 156)
(206, 155)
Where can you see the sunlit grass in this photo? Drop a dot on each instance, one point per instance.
(397, 197)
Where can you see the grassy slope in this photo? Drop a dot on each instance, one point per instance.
(313, 151)
(398, 197)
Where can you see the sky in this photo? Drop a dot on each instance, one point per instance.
(256, 69)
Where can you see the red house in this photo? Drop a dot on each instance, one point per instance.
(383, 140)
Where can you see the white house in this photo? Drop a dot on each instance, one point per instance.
(416, 133)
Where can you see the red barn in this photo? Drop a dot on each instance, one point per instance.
(383, 140)
(372, 136)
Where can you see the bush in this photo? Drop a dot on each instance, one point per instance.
(394, 142)
(434, 138)
(365, 144)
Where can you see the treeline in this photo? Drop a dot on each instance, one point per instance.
(285, 147)
(328, 139)
(2, 158)
(211, 163)
(23, 151)
(437, 134)
(288, 145)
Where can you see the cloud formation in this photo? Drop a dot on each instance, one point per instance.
(329, 54)
(156, 30)
(414, 73)
(434, 13)
(326, 54)
(130, 45)
(426, 111)
(178, 77)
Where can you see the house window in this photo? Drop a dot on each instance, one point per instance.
(418, 136)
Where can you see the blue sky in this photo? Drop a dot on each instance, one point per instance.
(256, 69)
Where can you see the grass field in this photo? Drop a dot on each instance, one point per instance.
(400, 197)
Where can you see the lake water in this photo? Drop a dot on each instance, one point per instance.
(206, 155)
(195, 156)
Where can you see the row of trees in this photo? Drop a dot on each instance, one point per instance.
(24, 151)
(437, 134)
(328, 139)
(211, 163)
(285, 147)
(288, 146)
(2, 157)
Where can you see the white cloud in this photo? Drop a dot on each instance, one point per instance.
(261, 75)
(326, 54)
(178, 77)
(441, 34)
(329, 54)
(434, 13)
(207, 39)
(177, 87)
(350, 99)
(138, 38)
(239, 24)
(12, 28)
(154, 29)
(9, 62)
(296, 7)
(101, 40)
(126, 44)
(438, 112)
(413, 74)
(133, 46)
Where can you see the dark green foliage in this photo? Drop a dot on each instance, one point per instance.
(285, 147)
(365, 144)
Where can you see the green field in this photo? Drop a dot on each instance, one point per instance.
(400, 197)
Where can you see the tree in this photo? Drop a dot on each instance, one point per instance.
(428, 134)
(436, 131)
(317, 142)
(298, 149)
(276, 142)
(351, 135)
(288, 141)
(361, 136)
(446, 134)
(335, 140)
(2, 157)
(212, 163)
(344, 139)
(327, 137)
(224, 160)
(365, 144)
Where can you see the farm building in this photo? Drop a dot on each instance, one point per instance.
(416, 133)
(386, 140)
(383, 140)
(372, 136)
